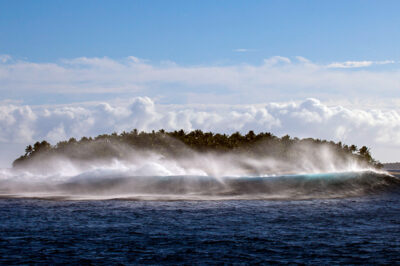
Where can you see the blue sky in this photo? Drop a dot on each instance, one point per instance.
(322, 69)
(200, 32)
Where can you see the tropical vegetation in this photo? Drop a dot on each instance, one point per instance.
(181, 143)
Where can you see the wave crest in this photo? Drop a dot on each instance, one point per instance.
(112, 185)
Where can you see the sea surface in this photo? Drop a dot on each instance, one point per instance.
(353, 229)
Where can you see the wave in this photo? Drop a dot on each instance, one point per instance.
(99, 185)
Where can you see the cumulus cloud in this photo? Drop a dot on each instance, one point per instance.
(277, 78)
(308, 118)
(356, 104)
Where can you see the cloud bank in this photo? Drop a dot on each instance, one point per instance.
(378, 129)
(358, 100)
(277, 78)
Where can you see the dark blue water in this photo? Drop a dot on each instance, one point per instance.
(362, 230)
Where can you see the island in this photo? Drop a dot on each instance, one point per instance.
(181, 144)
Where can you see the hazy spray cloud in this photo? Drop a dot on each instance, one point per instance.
(310, 171)
(378, 129)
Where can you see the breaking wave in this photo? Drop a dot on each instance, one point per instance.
(145, 175)
(112, 184)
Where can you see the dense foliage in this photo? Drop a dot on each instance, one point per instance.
(180, 143)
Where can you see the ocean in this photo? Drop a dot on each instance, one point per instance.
(318, 224)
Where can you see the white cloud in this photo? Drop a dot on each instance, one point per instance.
(241, 50)
(358, 106)
(378, 129)
(350, 64)
(4, 58)
(276, 59)
(276, 79)
(385, 62)
(302, 59)
(358, 64)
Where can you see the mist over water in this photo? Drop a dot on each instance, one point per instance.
(140, 174)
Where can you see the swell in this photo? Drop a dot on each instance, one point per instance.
(111, 186)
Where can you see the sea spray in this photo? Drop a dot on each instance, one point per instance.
(166, 180)
(158, 166)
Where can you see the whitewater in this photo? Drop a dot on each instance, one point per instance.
(150, 176)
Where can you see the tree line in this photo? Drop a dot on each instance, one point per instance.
(179, 143)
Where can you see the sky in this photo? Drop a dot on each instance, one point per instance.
(322, 69)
